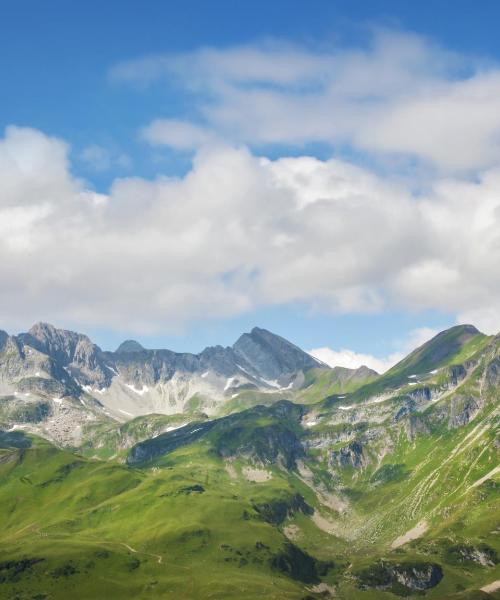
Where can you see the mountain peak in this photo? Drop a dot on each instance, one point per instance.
(129, 346)
(41, 327)
(271, 355)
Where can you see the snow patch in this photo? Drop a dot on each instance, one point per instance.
(229, 383)
(244, 370)
(174, 427)
(125, 412)
(141, 392)
(271, 382)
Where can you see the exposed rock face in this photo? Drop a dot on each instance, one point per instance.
(456, 373)
(481, 555)
(415, 426)
(417, 577)
(129, 346)
(271, 356)
(51, 362)
(493, 373)
(413, 576)
(463, 410)
(352, 455)
(72, 351)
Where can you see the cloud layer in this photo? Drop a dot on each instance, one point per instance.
(399, 95)
(238, 232)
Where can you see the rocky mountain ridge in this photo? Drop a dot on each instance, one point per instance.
(54, 381)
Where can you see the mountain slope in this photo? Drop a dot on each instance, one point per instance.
(373, 495)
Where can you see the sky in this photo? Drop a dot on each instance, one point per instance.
(179, 172)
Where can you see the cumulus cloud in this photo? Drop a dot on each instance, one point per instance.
(237, 232)
(400, 94)
(352, 360)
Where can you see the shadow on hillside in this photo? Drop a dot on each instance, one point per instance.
(14, 439)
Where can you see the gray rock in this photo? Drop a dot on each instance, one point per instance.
(352, 455)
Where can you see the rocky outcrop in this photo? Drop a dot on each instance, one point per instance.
(413, 577)
(482, 554)
(352, 455)
(492, 376)
(74, 352)
(463, 409)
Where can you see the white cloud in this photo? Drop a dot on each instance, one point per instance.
(400, 94)
(100, 158)
(235, 233)
(177, 134)
(352, 360)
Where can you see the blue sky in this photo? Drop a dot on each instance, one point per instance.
(121, 98)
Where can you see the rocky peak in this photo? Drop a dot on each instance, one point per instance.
(60, 344)
(69, 349)
(129, 346)
(270, 355)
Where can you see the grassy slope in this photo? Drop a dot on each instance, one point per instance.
(319, 383)
(453, 346)
(78, 515)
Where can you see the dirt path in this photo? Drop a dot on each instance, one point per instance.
(483, 479)
(412, 534)
(159, 557)
(491, 587)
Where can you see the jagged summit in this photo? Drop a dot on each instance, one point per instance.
(47, 364)
(271, 355)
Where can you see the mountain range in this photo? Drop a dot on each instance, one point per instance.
(248, 471)
(52, 379)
